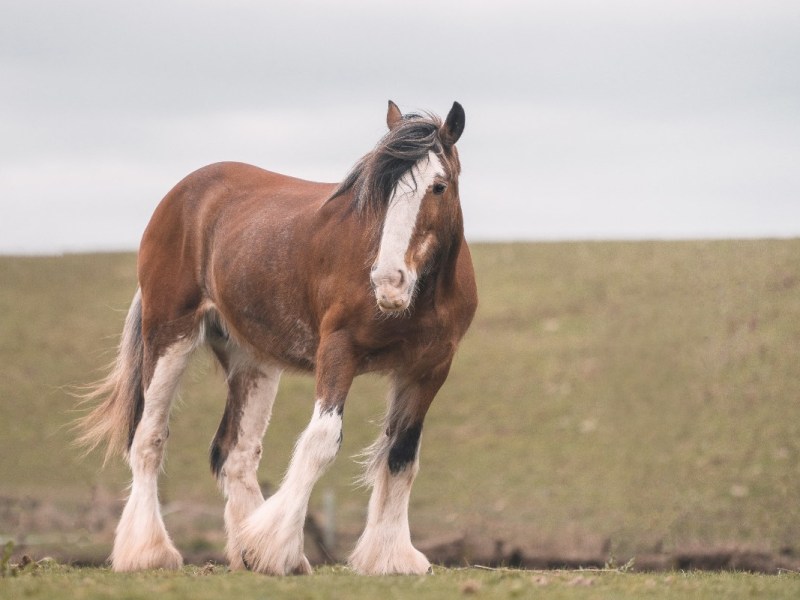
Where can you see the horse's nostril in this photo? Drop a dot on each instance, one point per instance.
(402, 277)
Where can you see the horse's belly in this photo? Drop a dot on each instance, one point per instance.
(297, 347)
(288, 339)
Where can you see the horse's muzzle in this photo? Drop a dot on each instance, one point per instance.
(393, 288)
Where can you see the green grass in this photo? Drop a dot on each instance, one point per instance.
(55, 581)
(611, 399)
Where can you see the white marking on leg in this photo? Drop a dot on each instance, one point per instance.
(385, 546)
(141, 540)
(393, 279)
(273, 535)
(240, 472)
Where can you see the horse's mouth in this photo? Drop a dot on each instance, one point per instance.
(393, 309)
(393, 304)
(393, 312)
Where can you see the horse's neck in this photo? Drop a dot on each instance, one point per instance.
(344, 226)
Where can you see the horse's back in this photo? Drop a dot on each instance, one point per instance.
(234, 186)
(227, 195)
(223, 205)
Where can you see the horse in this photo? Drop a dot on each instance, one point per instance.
(271, 272)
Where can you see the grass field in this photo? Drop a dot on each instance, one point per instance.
(612, 401)
(55, 581)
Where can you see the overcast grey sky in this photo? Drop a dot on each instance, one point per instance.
(614, 119)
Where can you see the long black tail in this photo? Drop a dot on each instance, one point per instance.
(120, 395)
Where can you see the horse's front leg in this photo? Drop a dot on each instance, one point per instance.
(271, 538)
(385, 546)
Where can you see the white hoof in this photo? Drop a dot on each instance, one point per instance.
(367, 559)
(155, 554)
(272, 542)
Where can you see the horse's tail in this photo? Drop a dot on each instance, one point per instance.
(120, 394)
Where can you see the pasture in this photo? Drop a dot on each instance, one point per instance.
(612, 401)
(51, 580)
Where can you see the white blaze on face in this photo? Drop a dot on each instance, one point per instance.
(394, 280)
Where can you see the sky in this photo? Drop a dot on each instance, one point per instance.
(621, 119)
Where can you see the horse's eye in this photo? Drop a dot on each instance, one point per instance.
(439, 188)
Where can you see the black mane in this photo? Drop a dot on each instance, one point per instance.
(373, 178)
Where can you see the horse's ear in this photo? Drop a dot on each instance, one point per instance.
(393, 116)
(453, 126)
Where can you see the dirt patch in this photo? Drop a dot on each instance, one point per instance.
(82, 533)
(460, 550)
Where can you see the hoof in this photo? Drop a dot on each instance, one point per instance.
(408, 561)
(154, 556)
(302, 568)
(236, 563)
(271, 541)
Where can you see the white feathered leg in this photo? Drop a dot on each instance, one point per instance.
(239, 477)
(272, 536)
(141, 540)
(385, 546)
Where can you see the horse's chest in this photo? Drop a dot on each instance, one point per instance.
(406, 344)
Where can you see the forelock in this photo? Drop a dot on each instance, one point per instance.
(374, 177)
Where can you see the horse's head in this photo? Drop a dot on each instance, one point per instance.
(423, 214)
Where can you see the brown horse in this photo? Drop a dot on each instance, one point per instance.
(274, 273)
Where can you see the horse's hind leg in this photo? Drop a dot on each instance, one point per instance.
(385, 546)
(141, 540)
(236, 449)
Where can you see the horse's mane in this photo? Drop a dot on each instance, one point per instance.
(373, 178)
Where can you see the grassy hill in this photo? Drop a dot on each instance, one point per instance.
(612, 399)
